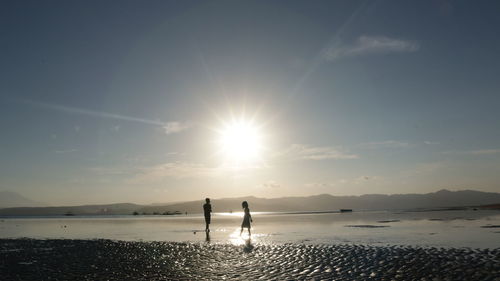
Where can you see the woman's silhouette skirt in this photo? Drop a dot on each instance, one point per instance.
(246, 222)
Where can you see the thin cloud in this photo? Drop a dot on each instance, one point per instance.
(365, 179)
(366, 45)
(270, 184)
(384, 144)
(177, 170)
(302, 151)
(175, 127)
(81, 111)
(174, 153)
(170, 127)
(182, 170)
(346, 181)
(109, 171)
(474, 152)
(65, 151)
(319, 185)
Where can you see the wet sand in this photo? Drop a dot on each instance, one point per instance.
(29, 259)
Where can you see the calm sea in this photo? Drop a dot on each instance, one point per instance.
(462, 228)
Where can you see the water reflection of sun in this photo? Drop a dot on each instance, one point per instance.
(244, 239)
(236, 239)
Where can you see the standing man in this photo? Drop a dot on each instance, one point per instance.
(207, 208)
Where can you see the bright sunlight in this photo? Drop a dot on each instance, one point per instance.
(240, 142)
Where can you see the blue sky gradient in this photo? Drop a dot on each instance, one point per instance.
(114, 101)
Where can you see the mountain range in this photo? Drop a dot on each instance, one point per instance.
(323, 202)
(14, 199)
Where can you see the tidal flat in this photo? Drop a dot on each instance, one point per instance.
(65, 259)
(448, 228)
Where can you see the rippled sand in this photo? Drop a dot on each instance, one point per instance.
(26, 259)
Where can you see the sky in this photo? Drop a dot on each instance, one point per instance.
(163, 101)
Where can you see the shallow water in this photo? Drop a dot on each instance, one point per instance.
(464, 228)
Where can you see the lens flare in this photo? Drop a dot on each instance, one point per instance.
(240, 142)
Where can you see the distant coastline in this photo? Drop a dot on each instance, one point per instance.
(440, 200)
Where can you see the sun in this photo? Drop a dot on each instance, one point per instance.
(240, 142)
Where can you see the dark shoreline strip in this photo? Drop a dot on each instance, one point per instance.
(28, 259)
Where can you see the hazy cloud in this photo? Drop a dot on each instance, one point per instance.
(302, 151)
(174, 153)
(175, 127)
(109, 171)
(384, 144)
(99, 114)
(319, 184)
(364, 179)
(65, 151)
(474, 152)
(371, 45)
(169, 127)
(345, 181)
(270, 184)
(177, 170)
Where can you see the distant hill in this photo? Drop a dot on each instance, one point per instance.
(13, 199)
(327, 202)
(322, 202)
(109, 209)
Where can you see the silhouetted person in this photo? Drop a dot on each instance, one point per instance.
(207, 236)
(207, 209)
(247, 218)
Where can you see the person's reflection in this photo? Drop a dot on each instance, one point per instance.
(207, 237)
(248, 246)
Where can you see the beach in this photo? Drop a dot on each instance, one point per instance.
(30, 259)
(382, 245)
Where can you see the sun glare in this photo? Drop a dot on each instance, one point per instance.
(240, 142)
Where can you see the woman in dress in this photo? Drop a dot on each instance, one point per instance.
(247, 218)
